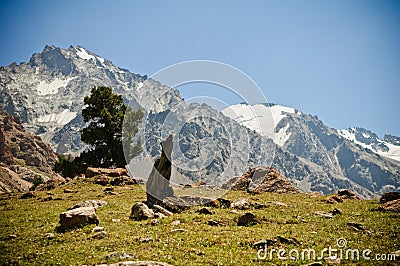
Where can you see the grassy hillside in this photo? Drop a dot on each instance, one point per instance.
(24, 223)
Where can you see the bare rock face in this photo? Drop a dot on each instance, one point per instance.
(19, 144)
(261, 179)
(77, 218)
(35, 158)
(157, 186)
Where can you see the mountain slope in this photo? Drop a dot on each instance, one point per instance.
(317, 145)
(388, 147)
(47, 93)
(24, 158)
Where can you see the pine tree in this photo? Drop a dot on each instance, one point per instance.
(104, 114)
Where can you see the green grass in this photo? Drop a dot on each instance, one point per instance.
(200, 244)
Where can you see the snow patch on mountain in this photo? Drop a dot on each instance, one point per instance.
(44, 88)
(262, 118)
(369, 140)
(83, 54)
(61, 118)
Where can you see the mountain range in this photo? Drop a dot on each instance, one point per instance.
(47, 94)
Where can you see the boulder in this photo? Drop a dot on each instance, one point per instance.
(141, 211)
(91, 171)
(77, 218)
(261, 179)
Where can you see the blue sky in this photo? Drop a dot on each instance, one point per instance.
(339, 60)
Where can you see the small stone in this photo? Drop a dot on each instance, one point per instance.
(28, 195)
(278, 203)
(356, 226)
(116, 220)
(241, 204)
(12, 236)
(259, 206)
(110, 193)
(285, 240)
(336, 212)
(204, 211)
(119, 255)
(263, 243)
(324, 214)
(145, 239)
(89, 203)
(175, 222)
(66, 190)
(98, 229)
(100, 235)
(49, 236)
(247, 219)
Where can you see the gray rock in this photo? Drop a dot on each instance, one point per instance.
(77, 218)
(141, 211)
(119, 255)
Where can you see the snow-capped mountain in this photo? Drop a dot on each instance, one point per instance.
(48, 92)
(341, 158)
(262, 118)
(388, 147)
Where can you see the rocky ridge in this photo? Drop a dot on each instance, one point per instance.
(24, 158)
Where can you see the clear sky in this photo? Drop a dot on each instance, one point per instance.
(339, 60)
